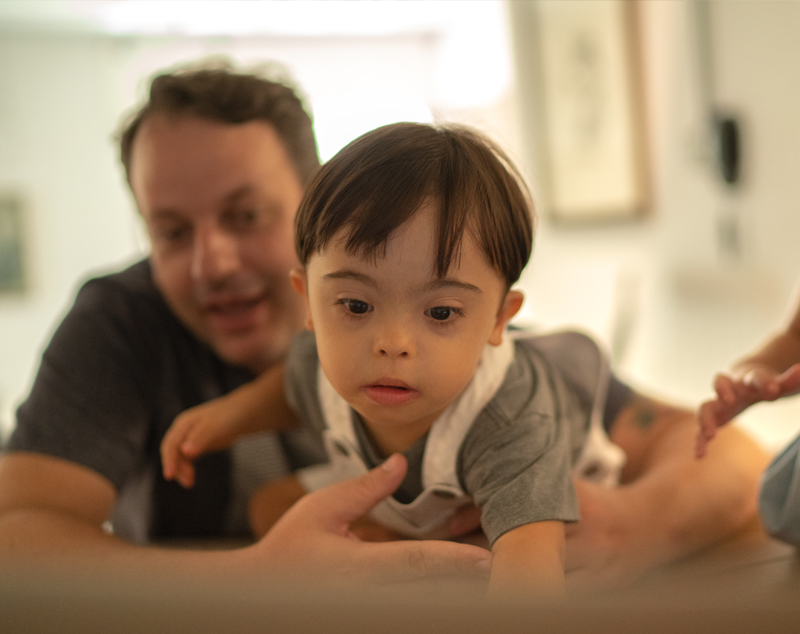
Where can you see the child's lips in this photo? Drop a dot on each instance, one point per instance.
(390, 392)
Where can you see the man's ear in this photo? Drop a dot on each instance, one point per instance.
(299, 280)
(510, 307)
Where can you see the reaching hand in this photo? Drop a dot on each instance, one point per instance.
(256, 406)
(314, 537)
(737, 392)
(207, 427)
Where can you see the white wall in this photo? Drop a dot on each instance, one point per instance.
(694, 308)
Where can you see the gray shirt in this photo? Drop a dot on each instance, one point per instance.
(516, 460)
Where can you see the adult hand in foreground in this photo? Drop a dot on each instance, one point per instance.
(314, 538)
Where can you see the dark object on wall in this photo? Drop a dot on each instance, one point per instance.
(11, 244)
(728, 148)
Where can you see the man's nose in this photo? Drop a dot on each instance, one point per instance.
(215, 256)
(395, 340)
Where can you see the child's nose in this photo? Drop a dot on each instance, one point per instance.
(395, 341)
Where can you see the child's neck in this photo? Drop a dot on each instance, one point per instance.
(396, 439)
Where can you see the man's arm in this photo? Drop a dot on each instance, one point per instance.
(669, 504)
(52, 511)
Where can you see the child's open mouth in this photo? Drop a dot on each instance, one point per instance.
(390, 392)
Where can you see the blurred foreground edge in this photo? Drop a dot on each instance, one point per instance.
(48, 600)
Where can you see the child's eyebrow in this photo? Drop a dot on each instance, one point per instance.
(435, 285)
(349, 274)
(446, 282)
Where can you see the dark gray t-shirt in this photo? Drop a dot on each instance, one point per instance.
(516, 460)
(118, 370)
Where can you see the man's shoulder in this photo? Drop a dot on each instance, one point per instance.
(129, 293)
(134, 280)
(125, 306)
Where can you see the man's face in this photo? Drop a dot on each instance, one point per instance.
(219, 202)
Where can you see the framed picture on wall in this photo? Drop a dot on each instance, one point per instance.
(11, 243)
(592, 110)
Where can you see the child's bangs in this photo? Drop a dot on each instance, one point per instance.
(391, 201)
(382, 179)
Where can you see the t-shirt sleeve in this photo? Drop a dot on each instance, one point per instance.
(300, 383)
(619, 394)
(86, 402)
(516, 461)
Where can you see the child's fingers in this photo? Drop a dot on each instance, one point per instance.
(761, 385)
(169, 455)
(172, 450)
(711, 416)
(700, 445)
(725, 389)
(201, 434)
(707, 428)
(789, 381)
(184, 474)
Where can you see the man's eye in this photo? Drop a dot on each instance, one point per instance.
(242, 217)
(172, 234)
(356, 306)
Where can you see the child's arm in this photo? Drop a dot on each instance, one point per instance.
(766, 375)
(256, 406)
(528, 562)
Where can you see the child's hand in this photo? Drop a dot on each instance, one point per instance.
(207, 427)
(736, 392)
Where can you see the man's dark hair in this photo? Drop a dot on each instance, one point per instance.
(379, 181)
(215, 91)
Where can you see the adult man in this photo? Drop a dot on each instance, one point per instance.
(216, 162)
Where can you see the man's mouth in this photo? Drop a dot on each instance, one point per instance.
(234, 307)
(235, 314)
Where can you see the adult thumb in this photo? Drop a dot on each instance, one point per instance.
(340, 504)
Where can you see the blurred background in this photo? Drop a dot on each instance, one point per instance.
(659, 138)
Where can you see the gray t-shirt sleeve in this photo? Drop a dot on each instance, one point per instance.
(300, 382)
(516, 461)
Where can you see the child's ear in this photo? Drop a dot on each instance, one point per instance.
(511, 305)
(299, 280)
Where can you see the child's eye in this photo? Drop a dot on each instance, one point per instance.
(443, 313)
(355, 306)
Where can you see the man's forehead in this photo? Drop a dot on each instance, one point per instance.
(180, 134)
(191, 153)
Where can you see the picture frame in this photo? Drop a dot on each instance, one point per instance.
(593, 120)
(12, 273)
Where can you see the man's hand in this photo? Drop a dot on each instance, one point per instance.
(738, 391)
(314, 538)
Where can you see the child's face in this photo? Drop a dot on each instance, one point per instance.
(397, 342)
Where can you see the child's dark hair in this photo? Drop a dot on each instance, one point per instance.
(380, 180)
